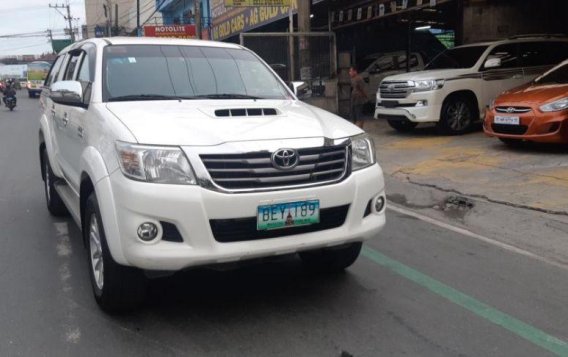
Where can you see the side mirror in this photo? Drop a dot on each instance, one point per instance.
(67, 93)
(492, 63)
(301, 90)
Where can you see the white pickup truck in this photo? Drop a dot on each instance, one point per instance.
(171, 154)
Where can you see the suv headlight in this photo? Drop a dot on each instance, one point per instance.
(427, 85)
(555, 106)
(157, 164)
(362, 152)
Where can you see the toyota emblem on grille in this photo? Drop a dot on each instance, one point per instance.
(510, 110)
(285, 159)
(391, 87)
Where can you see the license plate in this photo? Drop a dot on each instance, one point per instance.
(507, 120)
(287, 215)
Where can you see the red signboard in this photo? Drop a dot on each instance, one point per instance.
(176, 31)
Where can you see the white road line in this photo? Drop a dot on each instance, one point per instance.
(479, 237)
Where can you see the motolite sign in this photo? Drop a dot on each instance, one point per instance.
(175, 31)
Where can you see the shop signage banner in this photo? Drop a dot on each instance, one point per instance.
(231, 21)
(175, 31)
(229, 3)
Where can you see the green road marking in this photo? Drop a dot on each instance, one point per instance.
(528, 332)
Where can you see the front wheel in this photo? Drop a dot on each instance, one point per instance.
(331, 259)
(458, 114)
(115, 287)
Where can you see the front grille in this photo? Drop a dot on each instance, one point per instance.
(512, 110)
(244, 229)
(509, 129)
(395, 89)
(256, 171)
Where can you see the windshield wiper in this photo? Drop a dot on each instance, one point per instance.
(125, 98)
(227, 96)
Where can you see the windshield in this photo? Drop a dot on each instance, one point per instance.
(152, 72)
(557, 76)
(459, 57)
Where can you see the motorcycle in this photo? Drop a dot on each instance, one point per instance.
(10, 102)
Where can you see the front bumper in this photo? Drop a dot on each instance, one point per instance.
(409, 108)
(190, 208)
(533, 126)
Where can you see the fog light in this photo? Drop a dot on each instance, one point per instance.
(379, 204)
(147, 231)
(422, 103)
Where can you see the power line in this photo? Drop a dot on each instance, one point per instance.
(157, 8)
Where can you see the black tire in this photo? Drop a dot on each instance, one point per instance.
(458, 115)
(331, 260)
(55, 204)
(513, 143)
(403, 126)
(123, 288)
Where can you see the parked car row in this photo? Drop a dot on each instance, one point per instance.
(461, 87)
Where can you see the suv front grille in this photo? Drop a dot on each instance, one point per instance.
(395, 89)
(509, 129)
(247, 171)
(244, 229)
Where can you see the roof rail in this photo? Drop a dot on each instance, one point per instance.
(541, 35)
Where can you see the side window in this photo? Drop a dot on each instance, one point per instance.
(402, 61)
(535, 54)
(84, 70)
(557, 51)
(508, 54)
(54, 71)
(71, 66)
(383, 64)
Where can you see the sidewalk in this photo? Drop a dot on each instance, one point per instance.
(533, 177)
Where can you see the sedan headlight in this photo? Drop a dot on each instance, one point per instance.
(556, 106)
(363, 152)
(167, 165)
(427, 85)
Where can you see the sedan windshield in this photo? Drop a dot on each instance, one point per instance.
(556, 76)
(152, 72)
(459, 57)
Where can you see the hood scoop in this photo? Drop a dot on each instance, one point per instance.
(246, 112)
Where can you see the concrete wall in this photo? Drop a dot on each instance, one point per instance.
(493, 19)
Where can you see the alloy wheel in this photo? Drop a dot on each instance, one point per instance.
(96, 252)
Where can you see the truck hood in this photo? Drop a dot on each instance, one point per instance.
(430, 74)
(533, 94)
(194, 122)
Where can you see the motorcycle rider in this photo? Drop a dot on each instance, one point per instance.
(9, 91)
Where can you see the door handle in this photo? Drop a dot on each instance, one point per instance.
(80, 132)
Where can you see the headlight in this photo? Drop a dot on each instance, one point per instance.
(555, 106)
(492, 104)
(363, 152)
(427, 85)
(156, 164)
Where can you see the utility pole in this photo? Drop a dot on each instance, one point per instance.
(116, 19)
(304, 26)
(69, 18)
(108, 15)
(197, 13)
(138, 18)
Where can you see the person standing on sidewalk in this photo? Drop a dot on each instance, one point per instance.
(358, 97)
